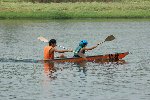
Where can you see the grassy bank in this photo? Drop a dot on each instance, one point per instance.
(15, 10)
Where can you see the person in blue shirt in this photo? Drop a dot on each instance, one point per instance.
(80, 50)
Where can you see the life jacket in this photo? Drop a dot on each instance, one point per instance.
(77, 51)
(46, 52)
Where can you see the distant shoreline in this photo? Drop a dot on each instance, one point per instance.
(24, 10)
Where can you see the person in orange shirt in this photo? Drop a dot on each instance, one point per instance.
(50, 49)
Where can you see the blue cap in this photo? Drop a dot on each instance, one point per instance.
(83, 43)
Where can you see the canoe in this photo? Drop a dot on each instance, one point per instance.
(97, 58)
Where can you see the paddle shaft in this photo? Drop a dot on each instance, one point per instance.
(109, 38)
(45, 40)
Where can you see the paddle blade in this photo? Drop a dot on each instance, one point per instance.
(42, 39)
(110, 38)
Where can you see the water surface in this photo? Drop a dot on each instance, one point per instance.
(21, 78)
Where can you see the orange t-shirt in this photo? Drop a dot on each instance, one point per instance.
(46, 52)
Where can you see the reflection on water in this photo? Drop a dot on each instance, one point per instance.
(50, 69)
(82, 67)
(80, 77)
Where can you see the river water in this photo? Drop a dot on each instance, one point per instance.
(22, 78)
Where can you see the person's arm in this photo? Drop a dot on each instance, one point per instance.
(91, 47)
(62, 51)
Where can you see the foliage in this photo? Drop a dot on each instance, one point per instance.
(75, 10)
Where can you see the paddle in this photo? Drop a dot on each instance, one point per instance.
(109, 38)
(45, 40)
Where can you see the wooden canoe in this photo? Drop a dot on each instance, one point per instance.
(97, 58)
